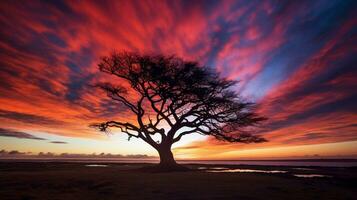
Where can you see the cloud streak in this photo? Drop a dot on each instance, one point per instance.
(58, 142)
(296, 59)
(18, 134)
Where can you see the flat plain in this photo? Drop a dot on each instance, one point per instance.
(48, 180)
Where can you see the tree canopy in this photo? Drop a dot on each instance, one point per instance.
(176, 97)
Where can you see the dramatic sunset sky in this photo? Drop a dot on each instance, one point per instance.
(296, 59)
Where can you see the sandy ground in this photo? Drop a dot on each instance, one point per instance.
(123, 181)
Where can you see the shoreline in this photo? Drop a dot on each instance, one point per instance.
(283, 163)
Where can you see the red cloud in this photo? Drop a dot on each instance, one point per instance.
(49, 54)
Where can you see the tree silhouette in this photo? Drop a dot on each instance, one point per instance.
(175, 98)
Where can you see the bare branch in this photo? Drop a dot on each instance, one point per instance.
(181, 94)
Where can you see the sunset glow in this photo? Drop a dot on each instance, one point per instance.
(296, 60)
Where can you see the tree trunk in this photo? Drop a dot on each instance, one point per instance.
(167, 161)
(166, 157)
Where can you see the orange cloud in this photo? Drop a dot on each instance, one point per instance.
(49, 53)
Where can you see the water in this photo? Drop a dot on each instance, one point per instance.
(293, 163)
(96, 165)
(215, 168)
(304, 169)
(225, 170)
(311, 176)
(297, 163)
(248, 171)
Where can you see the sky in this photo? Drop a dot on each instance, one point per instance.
(295, 59)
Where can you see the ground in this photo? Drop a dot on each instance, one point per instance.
(123, 181)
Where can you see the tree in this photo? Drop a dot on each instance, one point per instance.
(175, 98)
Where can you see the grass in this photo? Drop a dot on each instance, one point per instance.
(118, 181)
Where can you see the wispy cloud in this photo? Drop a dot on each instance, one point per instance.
(18, 134)
(28, 118)
(58, 142)
(286, 56)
